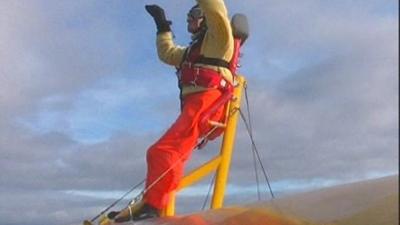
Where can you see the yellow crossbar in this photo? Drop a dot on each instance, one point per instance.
(197, 174)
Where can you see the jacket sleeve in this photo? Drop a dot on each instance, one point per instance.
(168, 52)
(218, 42)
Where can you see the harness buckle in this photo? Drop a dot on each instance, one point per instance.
(195, 77)
(223, 83)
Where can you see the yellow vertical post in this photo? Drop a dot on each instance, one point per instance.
(170, 209)
(227, 147)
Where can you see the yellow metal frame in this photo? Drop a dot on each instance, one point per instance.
(221, 163)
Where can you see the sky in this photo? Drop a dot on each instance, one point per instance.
(83, 95)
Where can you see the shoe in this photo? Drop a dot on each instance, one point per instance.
(111, 215)
(146, 212)
(108, 219)
(137, 211)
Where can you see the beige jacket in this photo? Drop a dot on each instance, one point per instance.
(217, 43)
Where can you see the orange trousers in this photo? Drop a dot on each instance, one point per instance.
(174, 148)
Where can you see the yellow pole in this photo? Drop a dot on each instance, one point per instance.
(170, 209)
(227, 147)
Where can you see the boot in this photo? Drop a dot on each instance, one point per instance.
(109, 218)
(146, 212)
(137, 211)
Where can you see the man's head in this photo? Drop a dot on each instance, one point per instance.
(195, 20)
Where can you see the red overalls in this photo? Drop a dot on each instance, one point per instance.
(174, 148)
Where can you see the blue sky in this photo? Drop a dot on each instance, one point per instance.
(83, 94)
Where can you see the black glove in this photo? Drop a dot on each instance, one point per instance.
(163, 25)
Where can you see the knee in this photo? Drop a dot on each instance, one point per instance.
(151, 153)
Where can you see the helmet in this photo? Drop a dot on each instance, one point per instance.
(196, 13)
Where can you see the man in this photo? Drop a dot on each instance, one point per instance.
(203, 73)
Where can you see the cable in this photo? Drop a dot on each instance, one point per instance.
(254, 146)
(253, 150)
(256, 174)
(209, 192)
(116, 202)
(257, 153)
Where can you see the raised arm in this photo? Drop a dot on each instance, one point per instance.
(218, 41)
(168, 51)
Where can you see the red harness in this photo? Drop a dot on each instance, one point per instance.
(193, 75)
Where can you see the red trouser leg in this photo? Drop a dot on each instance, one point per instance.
(174, 148)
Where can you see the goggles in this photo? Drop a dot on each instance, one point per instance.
(195, 13)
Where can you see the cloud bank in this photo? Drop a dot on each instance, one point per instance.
(81, 98)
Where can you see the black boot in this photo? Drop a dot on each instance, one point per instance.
(111, 215)
(137, 211)
(146, 212)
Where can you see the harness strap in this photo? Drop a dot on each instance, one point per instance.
(178, 75)
(204, 77)
(213, 62)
